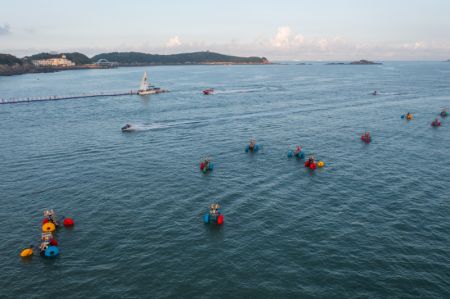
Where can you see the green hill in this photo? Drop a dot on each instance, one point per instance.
(137, 58)
(7, 59)
(11, 65)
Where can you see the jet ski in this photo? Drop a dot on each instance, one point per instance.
(127, 128)
(208, 91)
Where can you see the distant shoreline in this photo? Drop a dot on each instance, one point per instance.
(15, 71)
(11, 65)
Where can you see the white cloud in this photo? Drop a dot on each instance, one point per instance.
(299, 40)
(173, 42)
(282, 38)
(323, 44)
(284, 43)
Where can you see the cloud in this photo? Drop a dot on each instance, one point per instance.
(414, 46)
(299, 40)
(283, 38)
(284, 43)
(4, 30)
(173, 42)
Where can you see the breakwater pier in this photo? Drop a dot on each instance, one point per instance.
(66, 97)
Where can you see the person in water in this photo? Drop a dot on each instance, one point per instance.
(214, 209)
(252, 143)
(375, 93)
(298, 150)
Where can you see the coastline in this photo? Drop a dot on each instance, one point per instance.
(15, 70)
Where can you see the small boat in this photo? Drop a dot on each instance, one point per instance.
(127, 128)
(146, 88)
(208, 91)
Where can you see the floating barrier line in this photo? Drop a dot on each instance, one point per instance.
(59, 98)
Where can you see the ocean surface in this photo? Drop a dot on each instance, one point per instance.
(373, 223)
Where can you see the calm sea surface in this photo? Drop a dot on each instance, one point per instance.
(373, 223)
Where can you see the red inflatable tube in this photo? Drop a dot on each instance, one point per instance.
(312, 165)
(220, 220)
(68, 222)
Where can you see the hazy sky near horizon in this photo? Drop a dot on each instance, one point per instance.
(279, 30)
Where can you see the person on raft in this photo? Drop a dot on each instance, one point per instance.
(51, 216)
(43, 247)
(214, 209)
(252, 144)
(206, 162)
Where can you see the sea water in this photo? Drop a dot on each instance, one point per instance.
(373, 223)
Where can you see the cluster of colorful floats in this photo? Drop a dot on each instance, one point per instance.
(206, 165)
(435, 123)
(49, 245)
(298, 152)
(310, 162)
(214, 215)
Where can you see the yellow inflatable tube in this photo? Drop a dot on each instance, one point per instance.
(26, 252)
(48, 227)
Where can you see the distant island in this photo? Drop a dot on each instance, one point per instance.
(136, 58)
(359, 62)
(50, 62)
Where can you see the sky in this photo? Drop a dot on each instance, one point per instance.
(278, 30)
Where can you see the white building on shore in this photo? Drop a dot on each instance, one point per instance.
(62, 62)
